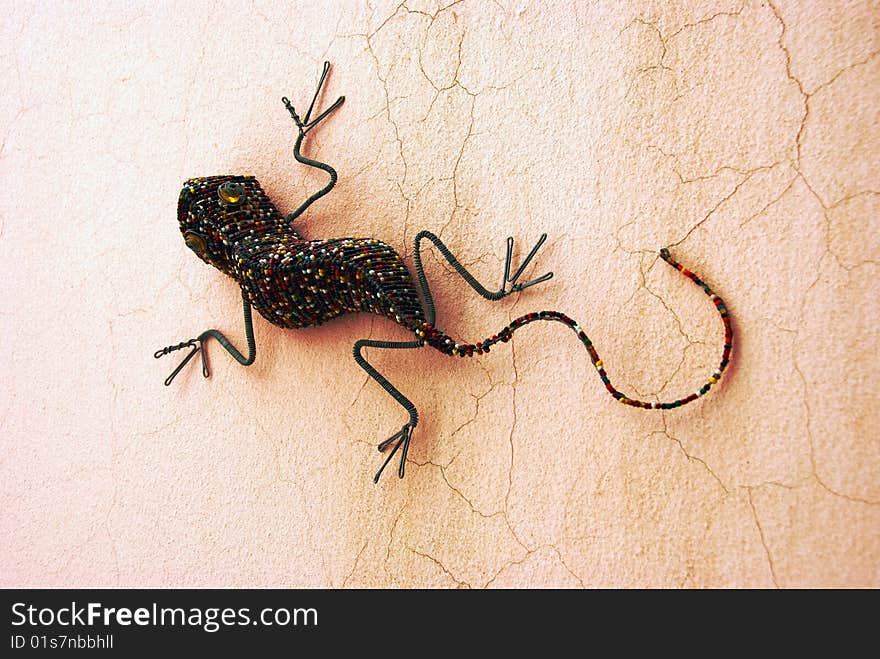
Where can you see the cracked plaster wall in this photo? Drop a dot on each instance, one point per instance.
(744, 134)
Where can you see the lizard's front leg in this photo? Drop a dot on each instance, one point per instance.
(198, 345)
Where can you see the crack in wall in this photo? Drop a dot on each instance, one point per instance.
(807, 95)
(664, 40)
(460, 582)
(717, 206)
(454, 178)
(529, 553)
(770, 563)
(470, 504)
(357, 558)
(770, 203)
(391, 541)
(808, 415)
(689, 456)
(690, 342)
(811, 442)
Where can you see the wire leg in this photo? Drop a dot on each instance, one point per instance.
(198, 345)
(402, 437)
(304, 126)
(339, 101)
(468, 277)
(317, 91)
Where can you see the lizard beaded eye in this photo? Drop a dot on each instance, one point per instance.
(195, 242)
(231, 194)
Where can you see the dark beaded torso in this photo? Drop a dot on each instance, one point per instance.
(292, 282)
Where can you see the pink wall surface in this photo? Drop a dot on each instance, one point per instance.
(744, 134)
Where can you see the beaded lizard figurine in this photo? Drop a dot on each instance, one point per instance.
(230, 223)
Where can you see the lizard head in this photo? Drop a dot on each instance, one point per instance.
(207, 212)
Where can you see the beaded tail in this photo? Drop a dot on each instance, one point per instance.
(437, 339)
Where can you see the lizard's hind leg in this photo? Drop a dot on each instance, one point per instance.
(504, 291)
(403, 436)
